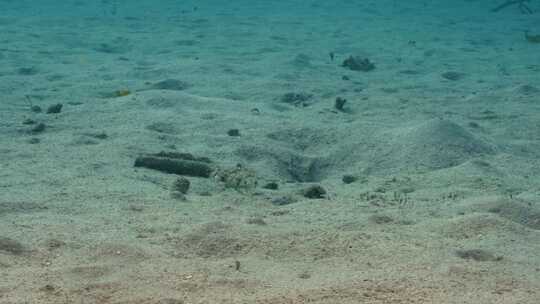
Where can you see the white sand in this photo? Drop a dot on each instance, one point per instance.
(442, 165)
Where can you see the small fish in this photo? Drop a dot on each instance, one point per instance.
(532, 38)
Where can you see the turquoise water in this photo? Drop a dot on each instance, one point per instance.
(269, 152)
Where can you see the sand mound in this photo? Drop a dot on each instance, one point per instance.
(286, 164)
(299, 155)
(435, 144)
(303, 155)
(472, 225)
(516, 210)
(221, 240)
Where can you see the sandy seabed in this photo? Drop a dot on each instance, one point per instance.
(430, 171)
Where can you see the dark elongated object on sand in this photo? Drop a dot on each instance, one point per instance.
(177, 166)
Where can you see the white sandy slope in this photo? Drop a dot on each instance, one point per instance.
(442, 165)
